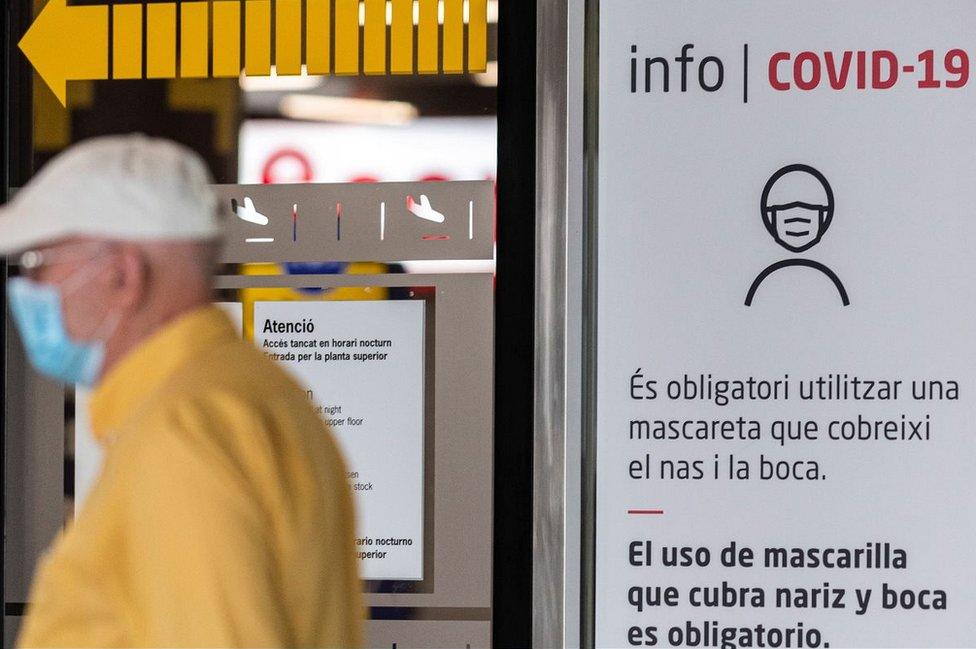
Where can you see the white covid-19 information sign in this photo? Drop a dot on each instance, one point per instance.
(786, 389)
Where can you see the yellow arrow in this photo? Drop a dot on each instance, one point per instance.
(68, 43)
(71, 43)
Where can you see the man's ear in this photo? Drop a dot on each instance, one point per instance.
(131, 275)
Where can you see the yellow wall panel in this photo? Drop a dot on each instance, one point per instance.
(226, 38)
(288, 36)
(401, 36)
(453, 36)
(257, 37)
(127, 41)
(427, 62)
(374, 52)
(477, 35)
(318, 36)
(194, 39)
(347, 36)
(161, 40)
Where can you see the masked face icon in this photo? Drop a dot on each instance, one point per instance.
(797, 207)
(798, 226)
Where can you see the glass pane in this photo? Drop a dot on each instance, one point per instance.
(388, 91)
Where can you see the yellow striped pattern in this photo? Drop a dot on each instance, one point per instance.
(372, 37)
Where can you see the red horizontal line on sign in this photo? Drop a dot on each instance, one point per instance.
(646, 511)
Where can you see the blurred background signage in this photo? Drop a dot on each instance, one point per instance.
(431, 149)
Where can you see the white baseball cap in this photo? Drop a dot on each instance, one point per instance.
(122, 187)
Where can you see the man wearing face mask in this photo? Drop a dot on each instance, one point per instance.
(222, 516)
(797, 207)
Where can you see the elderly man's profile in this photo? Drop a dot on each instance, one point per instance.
(797, 207)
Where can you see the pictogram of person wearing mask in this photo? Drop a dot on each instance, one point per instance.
(797, 208)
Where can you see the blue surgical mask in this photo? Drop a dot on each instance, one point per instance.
(37, 310)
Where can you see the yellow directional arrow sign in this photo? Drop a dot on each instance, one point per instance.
(65, 44)
(71, 43)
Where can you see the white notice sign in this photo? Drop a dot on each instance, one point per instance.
(786, 324)
(363, 363)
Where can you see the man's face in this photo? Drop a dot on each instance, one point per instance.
(81, 270)
(797, 226)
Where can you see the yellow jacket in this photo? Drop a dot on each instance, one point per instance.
(222, 516)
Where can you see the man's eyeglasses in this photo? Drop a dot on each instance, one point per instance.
(31, 260)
